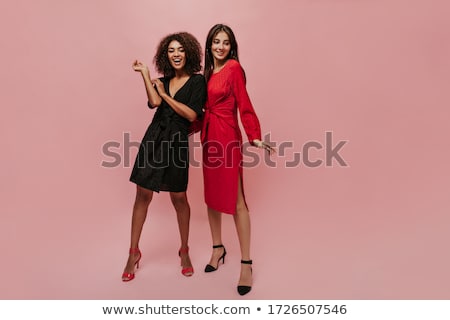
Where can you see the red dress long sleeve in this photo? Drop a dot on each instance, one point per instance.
(221, 136)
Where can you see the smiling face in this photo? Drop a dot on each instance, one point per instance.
(220, 47)
(176, 55)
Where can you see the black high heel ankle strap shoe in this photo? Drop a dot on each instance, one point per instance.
(243, 290)
(210, 268)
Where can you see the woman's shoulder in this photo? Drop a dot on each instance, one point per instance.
(233, 64)
(197, 78)
(164, 79)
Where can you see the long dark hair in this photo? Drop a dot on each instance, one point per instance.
(209, 59)
(191, 47)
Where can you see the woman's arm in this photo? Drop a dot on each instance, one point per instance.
(180, 108)
(154, 98)
(248, 115)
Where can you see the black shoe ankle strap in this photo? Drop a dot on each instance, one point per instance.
(246, 261)
(218, 246)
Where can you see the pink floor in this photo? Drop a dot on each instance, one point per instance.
(374, 73)
(325, 239)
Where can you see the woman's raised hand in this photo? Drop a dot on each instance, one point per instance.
(139, 66)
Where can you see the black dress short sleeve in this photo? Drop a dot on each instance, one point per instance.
(198, 97)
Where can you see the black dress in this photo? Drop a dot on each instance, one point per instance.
(162, 163)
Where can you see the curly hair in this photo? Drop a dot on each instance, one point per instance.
(191, 47)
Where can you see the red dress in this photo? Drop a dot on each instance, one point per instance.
(221, 137)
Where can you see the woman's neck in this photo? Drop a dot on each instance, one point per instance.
(219, 64)
(180, 74)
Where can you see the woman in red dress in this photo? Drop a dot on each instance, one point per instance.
(222, 146)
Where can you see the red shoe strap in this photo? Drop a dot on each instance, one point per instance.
(184, 250)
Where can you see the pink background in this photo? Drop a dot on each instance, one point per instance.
(375, 73)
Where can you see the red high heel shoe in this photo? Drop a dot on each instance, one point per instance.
(130, 276)
(188, 271)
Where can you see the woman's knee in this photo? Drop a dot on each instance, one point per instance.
(143, 195)
(179, 199)
(241, 207)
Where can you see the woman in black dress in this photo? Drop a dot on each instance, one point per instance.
(162, 162)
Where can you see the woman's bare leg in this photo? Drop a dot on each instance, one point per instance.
(242, 222)
(215, 225)
(140, 208)
(181, 205)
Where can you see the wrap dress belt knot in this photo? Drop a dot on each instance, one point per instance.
(222, 116)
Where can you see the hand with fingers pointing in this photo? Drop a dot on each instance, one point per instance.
(262, 145)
